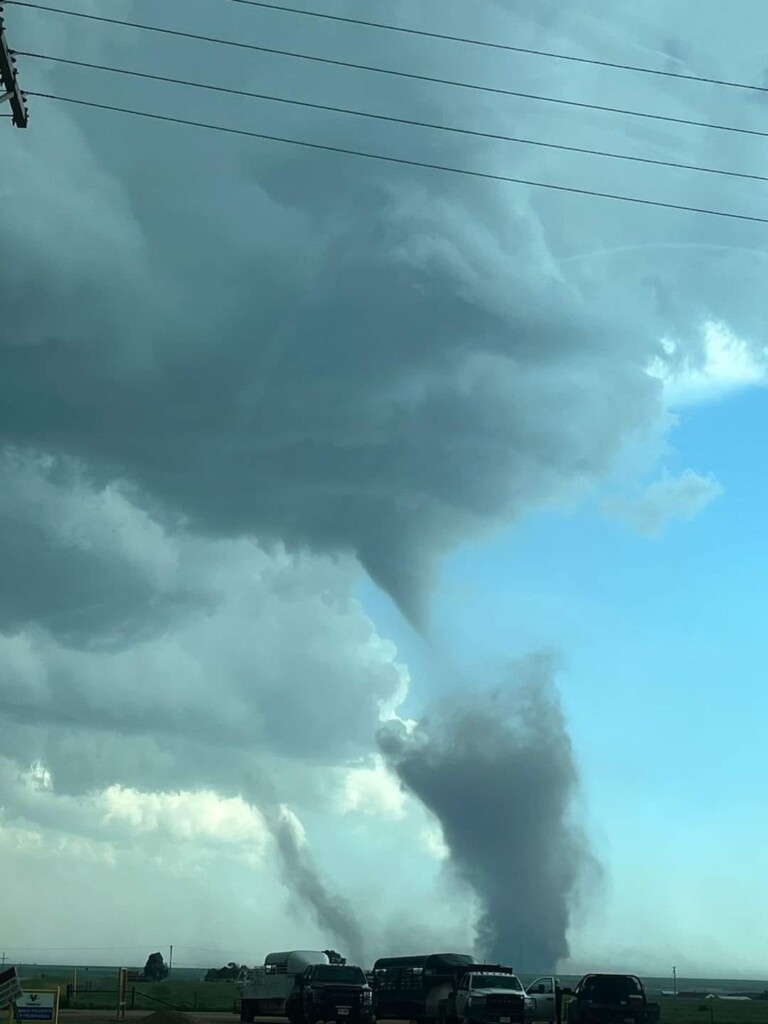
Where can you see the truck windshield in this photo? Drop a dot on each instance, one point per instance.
(495, 981)
(340, 975)
(611, 990)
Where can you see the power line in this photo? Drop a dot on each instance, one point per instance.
(393, 119)
(324, 147)
(207, 949)
(388, 71)
(500, 46)
(73, 949)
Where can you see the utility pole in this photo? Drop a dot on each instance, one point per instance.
(674, 980)
(170, 964)
(10, 91)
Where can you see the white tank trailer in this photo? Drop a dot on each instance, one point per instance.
(268, 987)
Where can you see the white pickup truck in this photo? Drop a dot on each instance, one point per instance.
(488, 994)
(544, 994)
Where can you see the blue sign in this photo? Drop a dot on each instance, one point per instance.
(38, 1006)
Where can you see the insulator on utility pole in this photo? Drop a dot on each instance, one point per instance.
(9, 81)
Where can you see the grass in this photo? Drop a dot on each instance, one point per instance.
(101, 994)
(684, 1010)
(688, 1010)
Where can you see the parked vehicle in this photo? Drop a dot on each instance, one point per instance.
(611, 999)
(488, 994)
(330, 992)
(416, 988)
(545, 993)
(267, 988)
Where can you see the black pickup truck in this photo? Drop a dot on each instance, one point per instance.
(611, 999)
(330, 992)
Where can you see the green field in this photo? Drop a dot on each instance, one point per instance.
(686, 1010)
(683, 1010)
(101, 994)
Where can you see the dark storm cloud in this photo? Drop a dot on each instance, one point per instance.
(89, 568)
(334, 353)
(261, 658)
(385, 362)
(497, 770)
(416, 393)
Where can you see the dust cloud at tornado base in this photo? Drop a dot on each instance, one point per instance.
(497, 770)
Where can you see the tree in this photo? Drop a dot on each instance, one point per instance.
(335, 958)
(229, 973)
(155, 968)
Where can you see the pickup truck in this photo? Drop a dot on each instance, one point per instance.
(611, 999)
(544, 994)
(330, 992)
(488, 994)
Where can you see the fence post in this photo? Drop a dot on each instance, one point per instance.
(133, 998)
(122, 985)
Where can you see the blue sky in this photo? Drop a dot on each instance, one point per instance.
(663, 646)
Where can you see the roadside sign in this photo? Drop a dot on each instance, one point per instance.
(10, 988)
(41, 1005)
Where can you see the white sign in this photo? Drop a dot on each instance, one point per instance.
(10, 988)
(36, 1006)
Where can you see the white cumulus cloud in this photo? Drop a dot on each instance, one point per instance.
(187, 815)
(724, 364)
(433, 842)
(373, 789)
